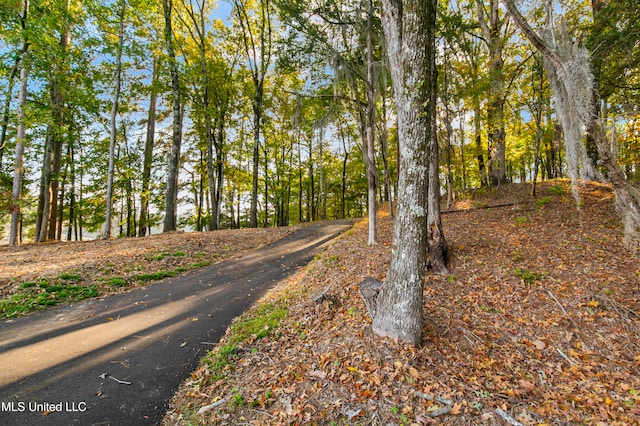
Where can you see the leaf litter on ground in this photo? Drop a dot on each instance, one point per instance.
(536, 325)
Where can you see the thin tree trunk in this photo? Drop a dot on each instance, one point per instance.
(9, 96)
(384, 146)
(148, 155)
(539, 130)
(61, 199)
(462, 157)
(259, 59)
(72, 195)
(47, 204)
(436, 244)
(495, 108)
(113, 124)
(372, 175)
(18, 171)
(58, 102)
(171, 199)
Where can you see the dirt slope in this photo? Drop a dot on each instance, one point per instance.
(537, 324)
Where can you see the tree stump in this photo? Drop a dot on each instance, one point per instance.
(369, 289)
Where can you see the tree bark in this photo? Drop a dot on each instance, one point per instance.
(399, 304)
(372, 175)
(18, 171)
(47, 204)
(113, 124)
(436, 244)
(495, 108)
(148, 154)
(171, 199)
(7, 102)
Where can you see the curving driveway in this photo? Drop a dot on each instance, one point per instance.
(119, 359)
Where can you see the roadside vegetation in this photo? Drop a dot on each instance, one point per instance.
(35, 277)
(537, 324)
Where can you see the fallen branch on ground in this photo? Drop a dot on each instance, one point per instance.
(105, 375)
(493, 206)
(507, 418)
(210, 407)
(584, 345)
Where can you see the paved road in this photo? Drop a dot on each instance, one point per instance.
(151, 338)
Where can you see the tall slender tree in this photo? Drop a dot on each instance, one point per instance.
(18, 171)
(257, 45)
(47, 215)
(114, 117)
(147, 162)
(171, 199)
(495, 110)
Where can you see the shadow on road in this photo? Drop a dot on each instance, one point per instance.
(118, 360)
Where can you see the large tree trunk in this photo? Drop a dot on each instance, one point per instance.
(171, 200)
(399, 306)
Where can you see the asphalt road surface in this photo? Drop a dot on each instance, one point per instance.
(119, 359)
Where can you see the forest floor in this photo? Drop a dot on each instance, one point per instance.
(536, 325)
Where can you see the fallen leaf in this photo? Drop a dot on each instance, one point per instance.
(539, 344)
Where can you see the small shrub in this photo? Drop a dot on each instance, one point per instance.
(542, 202)
(159, 256)
(117, 282)
(520, 220)
(557, 190)
(529, 277)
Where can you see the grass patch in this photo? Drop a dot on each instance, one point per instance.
(155, 276)
(201, 264)
(251, 326)
(70, 277)
(158, 256)
(117, 282)
(542, 202)
(40, 296)
(557, 190)
(520, 220)
(528, 277)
